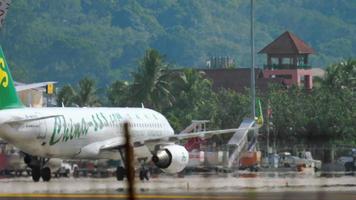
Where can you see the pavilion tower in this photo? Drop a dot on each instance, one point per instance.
(287, 58)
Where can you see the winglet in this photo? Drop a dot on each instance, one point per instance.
(259, 114)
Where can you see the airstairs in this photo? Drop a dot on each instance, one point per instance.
(196, 126)
(238, 143)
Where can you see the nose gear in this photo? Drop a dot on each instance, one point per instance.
(38, 167)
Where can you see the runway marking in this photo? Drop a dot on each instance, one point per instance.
(119, 196)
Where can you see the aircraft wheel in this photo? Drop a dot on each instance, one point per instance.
(120, 173)
(28, 172)
(36, 174)
(144, 174)
(27, 159)
(46, 174)
(18, 173)
(76, 172)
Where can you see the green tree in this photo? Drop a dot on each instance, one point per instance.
(118, 93)
(332, 117)
(325, 115)
(194, 99)
(86, 93)
(230, 109)
(66, 96)
(341, 75)
(280, 102)
(151, 82)
(334, 107)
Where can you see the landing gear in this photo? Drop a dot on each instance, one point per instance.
(46, 174)
(36, 173)
(144, 174)
(39, 168)
(120, 173)
(27, 159)
(120, 170)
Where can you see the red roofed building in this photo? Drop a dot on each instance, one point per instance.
(287, 58)
(238, 79)
(287, 64)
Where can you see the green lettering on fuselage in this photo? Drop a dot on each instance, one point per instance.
(100, 121)
(106, 121)
(65, 130)
(56, 131)
(95, 123)
(84, 127)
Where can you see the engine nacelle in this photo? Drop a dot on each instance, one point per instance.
(171, 158)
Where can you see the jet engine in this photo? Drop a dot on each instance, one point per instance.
(171, 158)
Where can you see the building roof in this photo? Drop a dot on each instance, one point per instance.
(287, 43)
(238, 79)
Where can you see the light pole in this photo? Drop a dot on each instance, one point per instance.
(253, 91)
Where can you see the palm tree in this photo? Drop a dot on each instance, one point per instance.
(118, 93)
(66, 96)
(151, 82)
(193, 96)
(86, 95)
(341, 75)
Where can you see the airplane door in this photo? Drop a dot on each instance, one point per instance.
(42, 129)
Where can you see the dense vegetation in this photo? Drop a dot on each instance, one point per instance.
(68, 39)
(326, 115)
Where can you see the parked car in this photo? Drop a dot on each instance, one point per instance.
(349, 161)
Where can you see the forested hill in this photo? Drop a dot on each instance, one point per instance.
(68, 39)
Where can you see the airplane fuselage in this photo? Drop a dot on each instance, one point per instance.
(79, 132)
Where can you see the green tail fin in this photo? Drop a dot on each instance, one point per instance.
(8, 95)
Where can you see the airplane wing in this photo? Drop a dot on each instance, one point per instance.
(106, 145)
(115, 143)
(32, 86)
(202, 134)
(183, 136)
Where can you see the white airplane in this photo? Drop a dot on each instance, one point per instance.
(87, 133)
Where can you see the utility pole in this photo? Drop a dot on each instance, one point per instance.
(267, 124)
(253, 85)
(253, 91)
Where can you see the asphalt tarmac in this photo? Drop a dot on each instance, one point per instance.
(334, 195)
(190, 187)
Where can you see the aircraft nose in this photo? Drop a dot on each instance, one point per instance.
(171, 130)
